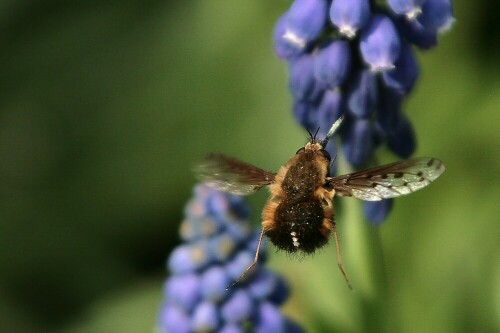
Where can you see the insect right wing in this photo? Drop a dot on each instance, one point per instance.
(388, 181)
(231, 175)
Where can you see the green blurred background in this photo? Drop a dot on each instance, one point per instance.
(104, 108)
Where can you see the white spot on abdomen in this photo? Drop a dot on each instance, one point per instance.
(295, 240)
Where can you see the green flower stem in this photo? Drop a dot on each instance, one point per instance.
(364, 260)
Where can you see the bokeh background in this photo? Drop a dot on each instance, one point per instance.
(104, 108)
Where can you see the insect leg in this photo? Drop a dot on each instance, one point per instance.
(253, 262)
(339, 256)
(333, 159)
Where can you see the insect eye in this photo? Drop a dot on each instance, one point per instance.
(325, 154)
(300, 150)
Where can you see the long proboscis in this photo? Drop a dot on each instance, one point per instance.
(332, 130)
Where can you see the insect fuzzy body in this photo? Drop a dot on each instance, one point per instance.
(299, 216)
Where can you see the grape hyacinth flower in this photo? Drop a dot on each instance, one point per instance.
(349, 15)
(219, 244)
(410, 8)
(358, 62)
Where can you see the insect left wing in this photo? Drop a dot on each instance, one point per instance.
(388, 181)
(231, 175)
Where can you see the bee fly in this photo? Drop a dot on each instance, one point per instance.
(298, 216)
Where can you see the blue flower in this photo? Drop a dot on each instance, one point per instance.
(377, 210)
(285, 45)
(329, 109)
(416, 34)
(363, 94)
(390, 112)
(437, 15)
(305, 21)
(332, 64)
(350, 15)
(380, 43)
(410, 8)
(205, 317)
(173, 319)
(305, 113)
(360, 64)
(302, 83)
(359, 142)
(403, 77)
(219, 245)
(402, 141)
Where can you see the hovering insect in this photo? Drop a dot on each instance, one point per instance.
(298, 216)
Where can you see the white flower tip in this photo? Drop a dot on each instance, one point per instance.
(382, 67)
(447, 25)
(413, 14)
(348, 31)
(292, 38)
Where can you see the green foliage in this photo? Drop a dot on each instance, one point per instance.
(104, 108)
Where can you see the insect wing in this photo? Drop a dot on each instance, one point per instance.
(388, 181)
(231, 175)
